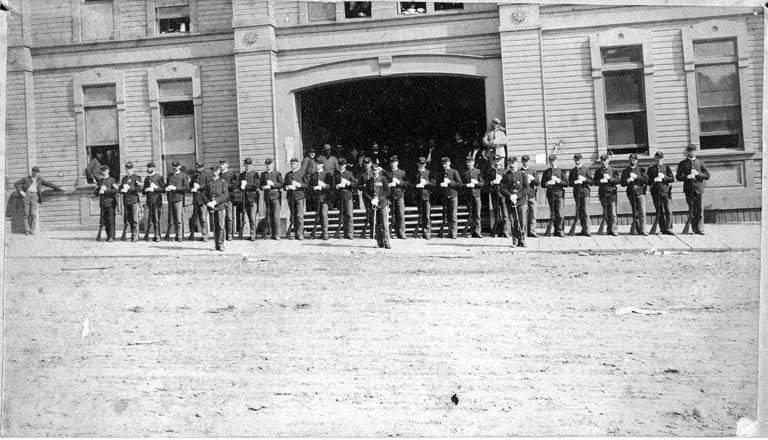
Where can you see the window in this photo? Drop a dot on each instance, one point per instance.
(718, 90)
(625, 112)
(177, 122)
(413, 8)
(444, 6)
(102, 140)
(172, 16)
(97, 20)
(357, 9)
(321, 11)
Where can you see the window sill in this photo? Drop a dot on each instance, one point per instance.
(724, 153)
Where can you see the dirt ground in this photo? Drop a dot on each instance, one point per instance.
(369, 343)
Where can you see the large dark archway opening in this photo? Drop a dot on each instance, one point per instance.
(392, 111)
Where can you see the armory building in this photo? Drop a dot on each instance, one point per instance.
(187, 80)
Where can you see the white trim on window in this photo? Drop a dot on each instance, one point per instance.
(77, 21)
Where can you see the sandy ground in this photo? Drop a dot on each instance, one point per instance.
(361, 342)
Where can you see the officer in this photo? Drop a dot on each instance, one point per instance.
(106, 189)
(450, 182)
(473, 182)
(271, 182)
(397, 185)
(423, 183)
(130, 185)
(216, 198)
(377, 192)
(635, 179)
(693, 173)
(500, 213)
(345, 183)
(250, 182)
(177, 185)
(295, 185)
(198, 181)
(369, 211)
(509, 189)
(607, 178)
(322, 184)
(529, 192)
(661, 177)
(580, 178)
(514, 187)
(30, 190)
(234, 205)
(555, 180)
(154, 185)
(331, 162)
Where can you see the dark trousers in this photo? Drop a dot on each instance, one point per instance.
(233, 217)
(108, 216)
(609, 212)
(530, 220)
(695, 202)
(153, 220)
(519, 214)
(199, 220)
(273, 216)
(500, 216)
(252, 212)
(382, 224)
(175, 212)
(31, 209)
(425, 222)
(637, 202)
(474, 205)
(131, 217)
(556, 211)
(297, 209)
(369, 217)
(346, 211)
(398, 211)
(219, 221)
(663, 211)
(322, 212)
(582, 211)
(450, 207)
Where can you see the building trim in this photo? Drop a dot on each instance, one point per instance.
(77, 28)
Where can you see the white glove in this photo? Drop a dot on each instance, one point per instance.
(22, 193)
(631, 179)
(395, 180)
(170, 188)
(103, 189)
(392, 185)
(661, 175)
(423, 182)
(530, 177)
(318, 188)
(375, 202)
(497, 180)
(153, 185)
(513, 198)
(295, 184)
(270, 183)
(444, 184)
(604, 179)
(551, 182)
(633, 176)
(265, 187)
(193, 190)
(470, 185)
(691, 176)
(419, 185)
(694, 172)
(243, 184)
(211, 204)
(658, 179)
(150, 188)
(291, 187)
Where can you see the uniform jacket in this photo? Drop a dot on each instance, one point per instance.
(696, 185)
(558, 189)
(531, 183)
(331, 164)
(24, 183)
(347, 192)
(252, 184)
(202, 178)
(217, 190)
(109, 198)
(511, 183)
(134, 186)
(233, 185)
(638, 186)
(398, 192)
(181, 182)
(156, 195)
(494, 189)
(664, 187)
(377, 187)
(423, 193)
(583, 189)
(454, 182)
(326, 193)
(277, 179)
(607, 189)
(300, 192)
(468, 175)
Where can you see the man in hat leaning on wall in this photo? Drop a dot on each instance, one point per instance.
(693, 173)
(30, 190)
(661, 177)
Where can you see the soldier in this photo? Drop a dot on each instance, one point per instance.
(635, 179)
(154, 185)
(376, 157)
(377, 192)
(271, 182)
(661, 178)
(517, 201)
(369, 211)
(555, 180)
(106, 189)
(130, 185)
(250, 182)
(580, 179)
(397, 185)
(177, 185)
(473, 182)
(607, 178)
(501, 215)
(295, 186)
(693, 173)
(198, 221)
(322, 184)
(216, 197)
(234, 206)
(423, 184)
(345, 183)
(30, 190)
(496, 138)
(529, 191)
(450, 182)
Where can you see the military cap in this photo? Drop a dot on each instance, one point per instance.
(175, 164)
(128, 165)
(633, 156)
(327, 147)
(690, 148)
(199, 165)
(445, 159)
(248, 161)
(552, 157)
(342, 161)
(223, 161)
(525, 158)
(375, 146)
(513, 159)
(268, 161)
(150, 164)
(104, 168)
(393, 158)
(498, 157)
(496, 121)
(293, 159)
(35, 169)
(469, 159)
(422, 160)
(367, 160)
(659, 154)
(604, 157)
(577, 156)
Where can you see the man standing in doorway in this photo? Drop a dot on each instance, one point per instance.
(496, 138)
(30, 190)
(693, 173)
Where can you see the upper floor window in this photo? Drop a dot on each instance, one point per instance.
(446, 6)
(625, 110)
(172, 16)
(321, 11)
(357, 9)
(413, 8)
(102, 139)
(718, 90)
(97, 20)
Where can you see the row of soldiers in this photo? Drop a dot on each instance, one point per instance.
(229, 196)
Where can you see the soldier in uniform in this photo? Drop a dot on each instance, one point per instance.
(177, 185)
(271, 182)
(661, 177)
(423, 185)
(693, 173)
(106, 189)
(250, 182)
(377, 192)
(30, 189)
(517, 201)
(500, 213)
(607, 178)
(295, 185)
(397, 185)
(509, 190)
(198, 181)
(130, 185)
(450, 182)
(635, 179)
(579, 178)
(234, 206)
(555, 180)
(216, 198)
(473, 181)
(529, 191)
(154, 185)
(369, 211)
(345, 183)
(322, 184)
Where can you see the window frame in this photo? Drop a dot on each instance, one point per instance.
(717, 30)
(96, 77)
(620, 37)
(77, 21)
(152, 24)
